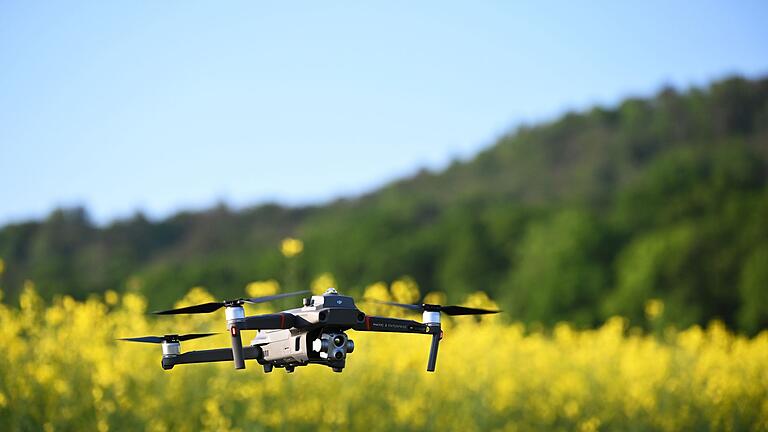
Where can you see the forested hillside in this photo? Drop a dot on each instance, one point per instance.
(579, 219)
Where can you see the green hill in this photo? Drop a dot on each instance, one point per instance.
(578, 219)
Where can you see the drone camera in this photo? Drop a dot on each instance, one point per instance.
(338, 340)
(334, 346)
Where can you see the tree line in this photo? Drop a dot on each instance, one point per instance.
(593, 214)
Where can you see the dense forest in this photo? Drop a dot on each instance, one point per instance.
(578, 219)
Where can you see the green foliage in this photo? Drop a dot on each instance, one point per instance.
(558, 274)
(647, 266)
(753, 289)
(590, 215)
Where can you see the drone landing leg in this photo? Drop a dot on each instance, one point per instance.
(433, 352)
(237, 348)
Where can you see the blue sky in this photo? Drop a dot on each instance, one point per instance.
(160, 106)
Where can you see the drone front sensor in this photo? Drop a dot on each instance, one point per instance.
(312, 334)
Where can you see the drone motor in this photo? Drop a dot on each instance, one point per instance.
(171, 348)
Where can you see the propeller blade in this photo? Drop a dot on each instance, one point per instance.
(461, 310)
(448, 310)
(190, 336)
(255, 300)
(201, 308)
(167, 338)
(145, 339)
(214, 306)
(413, 307)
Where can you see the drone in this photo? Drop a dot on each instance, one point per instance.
(312, 334)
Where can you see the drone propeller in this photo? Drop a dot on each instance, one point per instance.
(214, 306)
(167, 338)
(448, 310)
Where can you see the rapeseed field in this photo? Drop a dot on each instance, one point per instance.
(61, 368)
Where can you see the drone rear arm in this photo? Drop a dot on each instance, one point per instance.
(211, 355)
(386, 324)
(396, 325)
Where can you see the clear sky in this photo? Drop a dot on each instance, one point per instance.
(167, 105)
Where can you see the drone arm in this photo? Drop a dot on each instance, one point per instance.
(268, 322)
(385, 324)
(392, 325)
(211, 355)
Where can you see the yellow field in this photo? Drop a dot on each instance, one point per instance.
(61, 369)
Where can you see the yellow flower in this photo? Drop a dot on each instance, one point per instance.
(323, 282)
(405, 290)
(134, 303)
(111, 297)
(435, 297)
(195, 295)
(262, 288)
(377, 291)
(29, 299)
(479, 299)
(654, 308)
(68, 371)
(590, 425)
(291, 247)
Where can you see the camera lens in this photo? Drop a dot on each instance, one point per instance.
(338, 341)
(338, 355)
